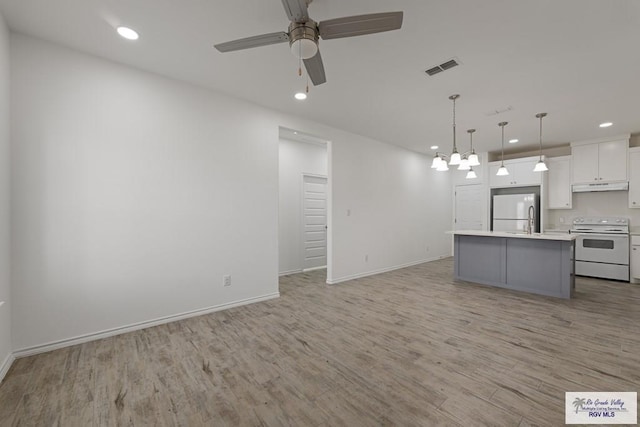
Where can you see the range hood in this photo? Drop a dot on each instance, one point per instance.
(601, 186)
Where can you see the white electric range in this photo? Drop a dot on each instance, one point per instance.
(602, 247)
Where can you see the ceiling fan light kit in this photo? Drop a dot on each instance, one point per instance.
(303, 39)
(304, 33)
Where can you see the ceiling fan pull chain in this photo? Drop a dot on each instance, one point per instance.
(307, 82)
(300, 60)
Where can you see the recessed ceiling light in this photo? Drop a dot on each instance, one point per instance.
(434, 147)
(605, 124)
(128, 33)
(300, 96)
(513, 141)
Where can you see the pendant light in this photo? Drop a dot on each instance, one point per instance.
(503, 170)
(455, 156)
(464, 164)
(442, 166)
(471, 174)
(473, 157)
(436, 161)
(541, 166)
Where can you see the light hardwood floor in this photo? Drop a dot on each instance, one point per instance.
(409, 348)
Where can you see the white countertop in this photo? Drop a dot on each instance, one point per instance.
(516, 235)
(556, 230)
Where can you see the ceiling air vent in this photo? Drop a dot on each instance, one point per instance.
(442, 67)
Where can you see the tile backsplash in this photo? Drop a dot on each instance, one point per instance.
(605, 203)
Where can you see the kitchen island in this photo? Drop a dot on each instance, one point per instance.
(536, 263)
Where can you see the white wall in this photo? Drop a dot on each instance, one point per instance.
(133, 195)
(605, 203)
(296, 159)
(389, 208)
(5, 291)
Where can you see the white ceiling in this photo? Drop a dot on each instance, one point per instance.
(578, 60)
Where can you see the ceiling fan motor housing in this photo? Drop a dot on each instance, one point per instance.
(303, 39)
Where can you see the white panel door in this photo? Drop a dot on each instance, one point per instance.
(314, 222)
(469, 207)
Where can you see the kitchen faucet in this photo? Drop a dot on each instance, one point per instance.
(530, 219)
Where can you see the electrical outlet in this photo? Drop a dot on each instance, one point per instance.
(366, 258)
(226, 280)
(427, 248)
(348, 212)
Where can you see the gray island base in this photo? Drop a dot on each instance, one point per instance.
(536, 263)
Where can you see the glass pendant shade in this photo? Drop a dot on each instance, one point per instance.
(473, 160)
(436, 162)
(502, 171)
(471, 174)
(541, 166)
(464, 164)
(442, 166)
(455, 159)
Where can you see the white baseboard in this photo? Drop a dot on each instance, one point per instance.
(306, 270)
(288, 272)
(4, 368)
(43, 348)
(382, 270)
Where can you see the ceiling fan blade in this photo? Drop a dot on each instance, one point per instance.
(360, 25)
(296, 10)
(315, 69)
(255, 41)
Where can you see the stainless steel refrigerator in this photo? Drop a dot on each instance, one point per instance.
(510, 211)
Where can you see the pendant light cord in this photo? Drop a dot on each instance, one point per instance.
(455, 148)
(502, 125)
(471, 140)
(541, 116)
(502, 160)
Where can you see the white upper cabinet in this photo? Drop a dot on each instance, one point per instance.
(559, 188)
(520, 173)
(585, 163)
(634, 178)
(600, 161)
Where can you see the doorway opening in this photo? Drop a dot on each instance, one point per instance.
(304, 204)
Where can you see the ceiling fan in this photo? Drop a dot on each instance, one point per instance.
(304, 33)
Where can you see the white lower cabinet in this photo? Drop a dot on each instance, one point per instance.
(635, 259)
(559, 188)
